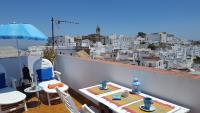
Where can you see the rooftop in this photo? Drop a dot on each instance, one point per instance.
(77, 73)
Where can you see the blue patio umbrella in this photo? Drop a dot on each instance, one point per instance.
(21, 31)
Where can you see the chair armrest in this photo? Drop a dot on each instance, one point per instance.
(13, 81)
(57, 72)
(57, 75)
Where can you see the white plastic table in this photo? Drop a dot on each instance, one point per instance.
(119, 109)
(44, 86)
(36, 90)
(11, 96)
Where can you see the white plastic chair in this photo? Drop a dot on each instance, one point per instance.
(44, 75)
(69, 103)
(9, 95)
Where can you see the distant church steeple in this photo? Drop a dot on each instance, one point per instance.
(98, 30)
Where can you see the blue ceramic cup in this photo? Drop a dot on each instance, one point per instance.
(103, 84)
(147, 103)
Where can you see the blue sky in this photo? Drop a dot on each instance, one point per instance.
(180, 17)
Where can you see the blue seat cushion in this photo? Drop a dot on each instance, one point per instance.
(2, 80)
(44, 74)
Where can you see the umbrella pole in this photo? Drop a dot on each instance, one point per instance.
(17, 45)
(20, 66)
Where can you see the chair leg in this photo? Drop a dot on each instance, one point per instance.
(25, 106)
(38, 96)
(48, 98)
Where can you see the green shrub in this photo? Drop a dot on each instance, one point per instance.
(49, 54)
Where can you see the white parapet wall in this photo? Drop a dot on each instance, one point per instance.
(177, 87)
(14, 65)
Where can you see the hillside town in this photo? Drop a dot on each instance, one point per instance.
(160, 50)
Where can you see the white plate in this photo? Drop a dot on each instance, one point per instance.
(148, 110)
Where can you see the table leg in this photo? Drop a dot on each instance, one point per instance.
(104, 109)
(25, 106)
(0, 109)
(48, 98)
(38, 95)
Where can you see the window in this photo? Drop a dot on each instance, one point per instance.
(150, 65)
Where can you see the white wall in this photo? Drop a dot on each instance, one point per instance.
(31, 61)
(79, 73)
(22, 43)
(14, 65)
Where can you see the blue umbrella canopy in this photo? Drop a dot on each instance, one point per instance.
(21, 31)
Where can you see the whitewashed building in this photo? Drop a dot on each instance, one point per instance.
(155, 62)
(161, 37)
(85, 43)
(195, 51)
(154, 38)
(97, 49)
(120, 41)
(67, 41)
(124, 55)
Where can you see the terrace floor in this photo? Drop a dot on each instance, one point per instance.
(56, 107)
(35, 106)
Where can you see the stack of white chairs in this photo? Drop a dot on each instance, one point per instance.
(70, 105)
